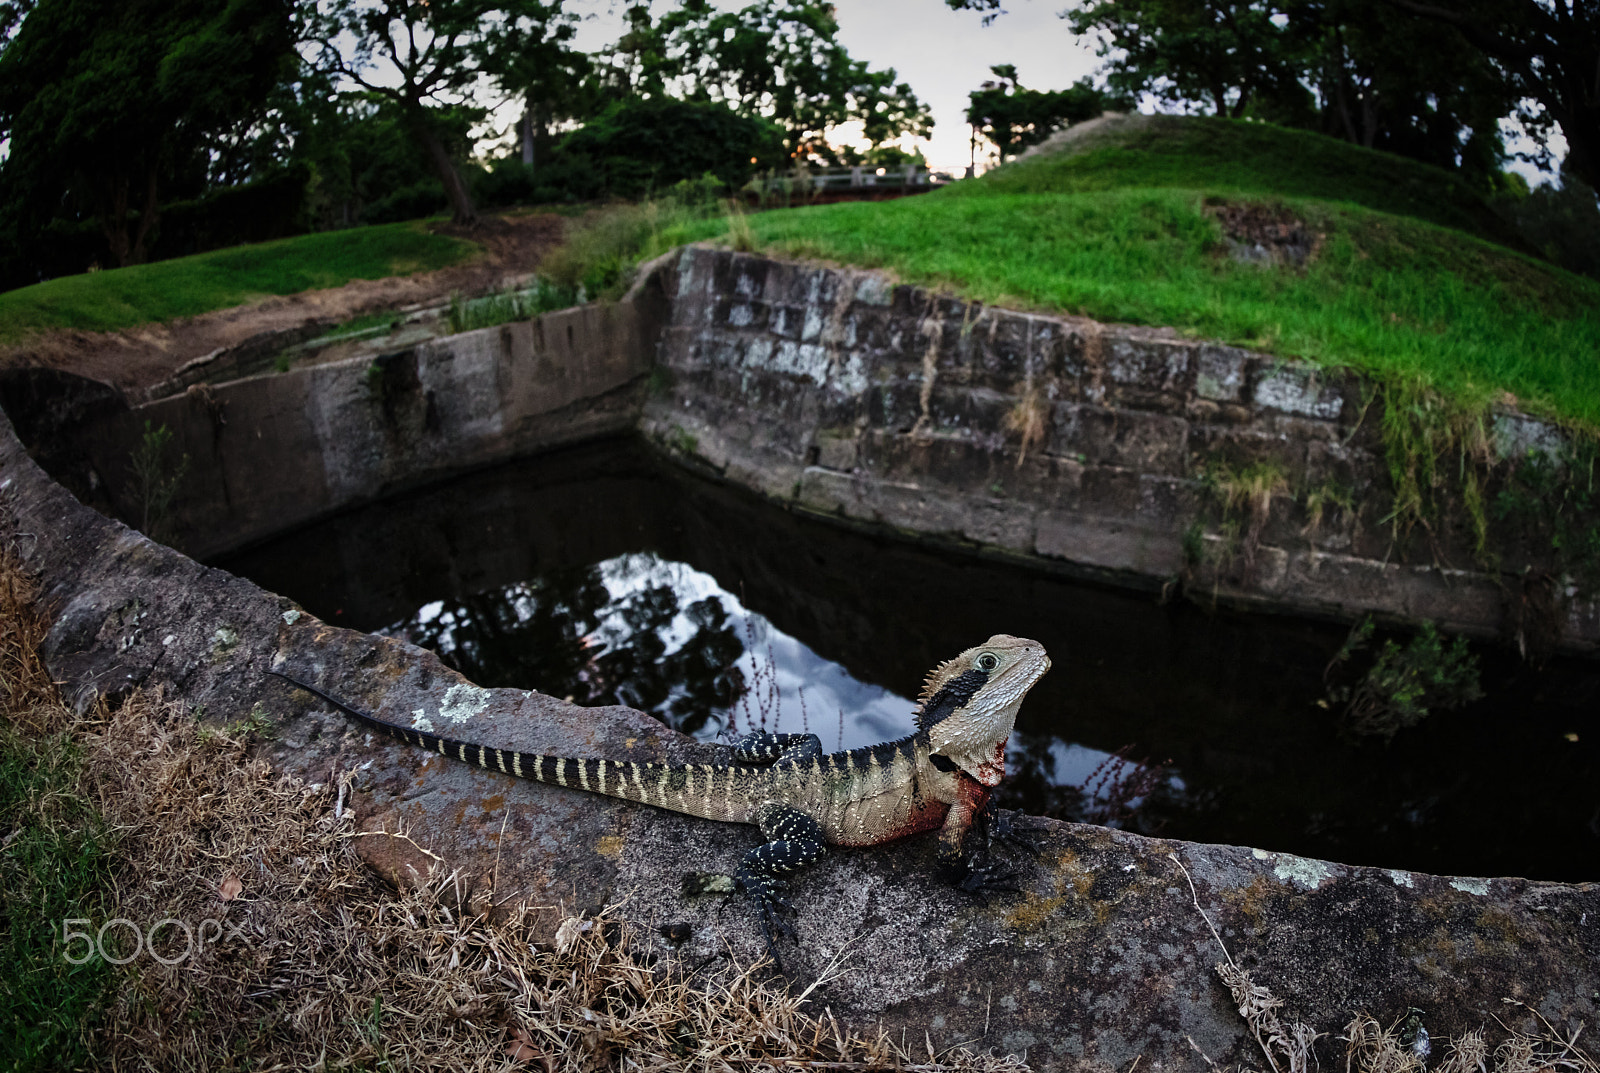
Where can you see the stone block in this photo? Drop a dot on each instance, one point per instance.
(1111, 492)
(949, 461)
(1107, 543)
(1152, 443)
(1240, 446)
(1297, 388)
(1149, 365)
(1221, 373)
(1168, 503)
(836, 449)
(1518, 436)
(1003, 342)
(874, 290)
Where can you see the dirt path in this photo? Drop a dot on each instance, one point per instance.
(138, 357)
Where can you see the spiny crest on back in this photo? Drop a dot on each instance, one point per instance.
(936, 680)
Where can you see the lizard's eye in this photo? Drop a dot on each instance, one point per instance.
(988, 661)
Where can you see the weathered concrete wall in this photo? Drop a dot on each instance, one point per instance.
(836, 391)
(270, 452)
(1099, 960)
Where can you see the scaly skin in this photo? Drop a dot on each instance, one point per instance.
(939, 777)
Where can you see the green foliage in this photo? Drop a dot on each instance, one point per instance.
(467, 315)
(183, 287)
(602, 248)
(1555, 502)
(156, 479)
(777, 59)
(637, 147)
(1014, 118)
(356, 39)
(1561, 222)
(1245, 497)
(55, 866)
(1359, 70)
(104, 104)
(1433, 443)
(1403, 683)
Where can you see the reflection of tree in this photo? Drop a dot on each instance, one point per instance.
(565, 635)
(1120, 792)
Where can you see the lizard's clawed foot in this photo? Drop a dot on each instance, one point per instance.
(980, 878)
(1004, 827)
(768, 895)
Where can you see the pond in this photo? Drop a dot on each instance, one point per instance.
(609, 576)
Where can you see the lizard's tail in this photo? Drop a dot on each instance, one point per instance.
(710, 791)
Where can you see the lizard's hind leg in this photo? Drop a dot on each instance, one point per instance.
(794, 841)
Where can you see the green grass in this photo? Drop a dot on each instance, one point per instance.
(54, 867)
(185, 286)
(1396, 297)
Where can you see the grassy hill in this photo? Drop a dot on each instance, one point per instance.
(1406, 283)
(1235, 157)
(182, 287)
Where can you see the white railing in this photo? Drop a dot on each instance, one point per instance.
(805, 181)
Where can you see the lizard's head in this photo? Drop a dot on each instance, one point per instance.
(969, 703)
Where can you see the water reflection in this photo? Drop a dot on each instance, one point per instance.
(659, 636)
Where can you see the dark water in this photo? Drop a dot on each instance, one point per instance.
(604, 575)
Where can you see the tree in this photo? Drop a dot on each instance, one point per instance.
(439, 49)
(636, 146)
(104, 102)
(1231, 52)
(1545, 50)
(1014, 118)
(530, 56)
(777, 59)
(1350, 68)
(1399, 85)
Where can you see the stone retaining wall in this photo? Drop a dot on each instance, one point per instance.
(266, 453)
(835, 391)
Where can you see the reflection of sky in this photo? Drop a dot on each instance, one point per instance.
(813, 694)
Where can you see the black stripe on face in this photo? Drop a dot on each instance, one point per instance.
(952, 697)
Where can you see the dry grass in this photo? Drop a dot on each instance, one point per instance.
(312, 964)
(1030, 419)
(1371, 1048)
(1250, 490)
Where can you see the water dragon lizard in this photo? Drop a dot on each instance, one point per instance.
(802, 799)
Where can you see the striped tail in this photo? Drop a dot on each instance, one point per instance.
(709, 791)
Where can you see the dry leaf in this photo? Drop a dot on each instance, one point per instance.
(568, 933)
(232, 885)
(521, 1048)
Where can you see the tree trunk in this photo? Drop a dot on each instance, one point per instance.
(114, 220)
(527, 133)
(147, 219)
(462, 210)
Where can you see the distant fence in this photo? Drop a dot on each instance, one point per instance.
(846, 182)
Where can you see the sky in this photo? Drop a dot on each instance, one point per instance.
(943, 54)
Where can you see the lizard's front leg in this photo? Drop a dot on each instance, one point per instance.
(794, 841)
(965, 836)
